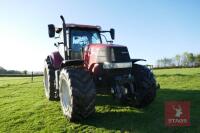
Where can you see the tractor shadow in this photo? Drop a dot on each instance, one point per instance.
(114, 116)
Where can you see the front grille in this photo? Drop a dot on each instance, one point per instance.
(120, 54)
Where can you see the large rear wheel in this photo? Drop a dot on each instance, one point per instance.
(49, 81)
(77, 93)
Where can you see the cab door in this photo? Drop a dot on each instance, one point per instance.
(78, 42)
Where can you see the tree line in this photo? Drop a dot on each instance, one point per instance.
(4, 71)
(180, 60)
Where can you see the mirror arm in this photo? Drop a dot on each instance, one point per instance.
(104, 31)
(104, 38)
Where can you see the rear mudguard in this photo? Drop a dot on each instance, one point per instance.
(55, 59)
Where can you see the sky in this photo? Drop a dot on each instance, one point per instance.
(151, 29)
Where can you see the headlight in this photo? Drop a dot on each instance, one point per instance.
(108, 65)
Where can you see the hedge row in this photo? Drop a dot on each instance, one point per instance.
(19, 75)
(172, 67)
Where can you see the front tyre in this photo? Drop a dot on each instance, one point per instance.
(144, 87)
(77, 93)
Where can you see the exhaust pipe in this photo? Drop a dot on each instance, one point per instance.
(67, 54)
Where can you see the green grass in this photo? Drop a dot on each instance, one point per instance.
(24, 108)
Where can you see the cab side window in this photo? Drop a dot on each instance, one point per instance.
(81, 38)
(78, 42)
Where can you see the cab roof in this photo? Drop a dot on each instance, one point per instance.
(72, 25)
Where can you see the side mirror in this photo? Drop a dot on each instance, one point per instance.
(112, 33)
(51, 30)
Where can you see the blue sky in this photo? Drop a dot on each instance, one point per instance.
(151, 29)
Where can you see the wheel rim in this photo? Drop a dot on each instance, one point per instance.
(65, 96)
(46, 82)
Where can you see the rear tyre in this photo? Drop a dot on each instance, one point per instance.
(77, 93)
(49, 81)
(144, 87)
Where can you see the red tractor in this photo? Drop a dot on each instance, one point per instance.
(83, 65)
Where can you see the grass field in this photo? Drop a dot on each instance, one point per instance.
(24, 108)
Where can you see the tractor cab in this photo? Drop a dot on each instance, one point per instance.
(81, 36)
(75, 37)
